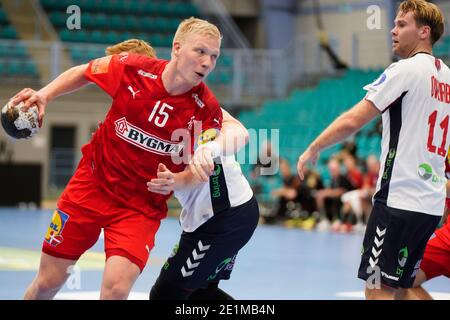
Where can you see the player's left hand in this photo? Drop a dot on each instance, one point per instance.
(165, 183)
(307, 156)
(202, 164)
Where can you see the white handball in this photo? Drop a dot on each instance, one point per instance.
(20, 124)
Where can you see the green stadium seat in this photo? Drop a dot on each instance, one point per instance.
(156, 40)
(58, 19)
(147, 24)
(3, 68)
(117, 22)
(3, 18)
(20, 51)
(14, 67)
(112, 37)
(29, 68)
(132, 23)
(96, 36)
(8, 32)
(5, 50)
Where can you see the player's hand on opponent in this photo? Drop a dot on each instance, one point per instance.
(310, 156)
(202, 164)
(30, 97)
(165, 183)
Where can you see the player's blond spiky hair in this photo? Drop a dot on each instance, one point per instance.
(196, 26)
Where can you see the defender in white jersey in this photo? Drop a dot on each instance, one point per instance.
(218, 218)
(413, 96)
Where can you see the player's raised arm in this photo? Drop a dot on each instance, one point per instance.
(66, 82)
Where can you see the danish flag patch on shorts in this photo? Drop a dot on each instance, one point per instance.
(54, 232)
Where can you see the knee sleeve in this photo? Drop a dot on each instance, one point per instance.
(212, 292)
(165, 290)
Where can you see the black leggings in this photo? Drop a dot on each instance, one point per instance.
(165, 290)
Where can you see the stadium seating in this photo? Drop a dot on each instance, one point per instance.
(442, 48)
(14, 58)
(306, 112)
(107, 22)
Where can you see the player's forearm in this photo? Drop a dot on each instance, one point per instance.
(66, 82)
(233, 135)
(232, 138)
(185, 179)
(343, 127)
(346, 125)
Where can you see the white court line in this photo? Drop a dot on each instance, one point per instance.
(95, 295)
(360, 295)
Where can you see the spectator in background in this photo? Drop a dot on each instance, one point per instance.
(306, 198)
(356, 204)
(328, 200)
(369, 185)
(287, 194)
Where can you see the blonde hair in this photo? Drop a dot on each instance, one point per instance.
(133, 46)
(196, 26)
(425, 14)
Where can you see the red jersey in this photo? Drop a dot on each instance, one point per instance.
(136, 134)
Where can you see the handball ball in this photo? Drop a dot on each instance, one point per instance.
(19, 124)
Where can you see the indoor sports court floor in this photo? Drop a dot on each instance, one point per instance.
(277, 263)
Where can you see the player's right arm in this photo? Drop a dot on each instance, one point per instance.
(344, 126)
(167, 181)
(66, 82)
(232, 137)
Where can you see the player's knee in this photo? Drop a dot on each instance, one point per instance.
(116, 290)
(46, 285)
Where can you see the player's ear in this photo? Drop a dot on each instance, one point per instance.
(425, 32)
(176, 47)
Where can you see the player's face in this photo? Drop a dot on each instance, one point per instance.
(196, 57)
(405, 35)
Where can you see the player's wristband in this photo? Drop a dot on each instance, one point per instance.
(213, 146)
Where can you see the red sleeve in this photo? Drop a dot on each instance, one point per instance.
(106, 72)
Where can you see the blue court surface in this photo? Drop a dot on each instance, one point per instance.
(277, 264)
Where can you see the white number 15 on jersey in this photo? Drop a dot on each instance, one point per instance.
(162, 116)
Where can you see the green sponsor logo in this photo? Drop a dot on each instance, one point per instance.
(174, 250)
(221, 265)
(402, 258)
(425, 171)
(215, 182)
(389, 162)
(391, 154)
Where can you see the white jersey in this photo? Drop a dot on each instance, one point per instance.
(414, 98)
(227, 188)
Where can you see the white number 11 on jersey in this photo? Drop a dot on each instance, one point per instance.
(162, 117)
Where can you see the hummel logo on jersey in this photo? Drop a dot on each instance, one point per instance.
(147, 74)
(144, 140)
(122, 59)
(191, 122)
(197, 100)
(215, 120)
(133, 92)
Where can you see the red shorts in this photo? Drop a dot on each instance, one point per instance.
(436, 259)
(84, 209)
